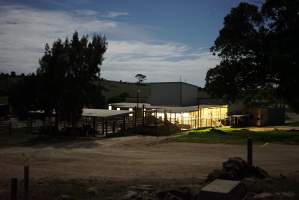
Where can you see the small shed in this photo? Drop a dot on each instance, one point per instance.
(93, 120)
(105, 121)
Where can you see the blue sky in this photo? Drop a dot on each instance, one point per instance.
(163, 39)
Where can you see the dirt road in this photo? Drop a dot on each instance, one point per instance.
(137, 157)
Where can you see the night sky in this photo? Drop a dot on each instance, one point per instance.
(162, 39)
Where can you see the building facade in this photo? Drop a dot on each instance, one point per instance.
(173, 94)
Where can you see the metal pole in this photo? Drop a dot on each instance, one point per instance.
(249, 151)
(165, 117)
(156, 122)
(10, 127)
(26, 182)
(14, 189)
(106, 127)
(143, 114)
(103, 126)
(124, 124)
(113, 127)
(94, 126)
(135, 116)
(197, 115)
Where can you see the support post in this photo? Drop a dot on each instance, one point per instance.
(14, 189)
(103, 126)
(156, 122)
(249, 151)
(165, 117)
(94, 126)
(113, 127)
(198, 118)
(26, 182)
(106, 127)
(10, 127)
(143, 114)
(135, 116)
(124, 124)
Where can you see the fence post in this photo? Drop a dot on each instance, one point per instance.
(249, 151)
(124, 124)
(106, 128)
(135, 116)
(94, 126)
(10, 127)
(156, 122)
(14, 189)
(113, 127)
(103, 126)
(165, 117)
(26, 182)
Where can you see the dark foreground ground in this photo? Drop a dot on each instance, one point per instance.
(108, 167)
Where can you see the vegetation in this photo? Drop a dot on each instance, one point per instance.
(258, 47)
(66, 81)
(68, 71)
(140, 78)
(238, 136)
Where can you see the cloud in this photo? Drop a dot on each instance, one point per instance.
(25, 30)
(159, 62)
(113, 14)
(131, 48)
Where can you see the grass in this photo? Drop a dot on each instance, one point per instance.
(3, 100)
(237, 136)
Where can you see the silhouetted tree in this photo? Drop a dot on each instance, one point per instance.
(23, 95)
(69, 72)
(13, 74)
(140, 78)
(259, 51)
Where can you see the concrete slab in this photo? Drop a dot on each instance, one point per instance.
(223, 190)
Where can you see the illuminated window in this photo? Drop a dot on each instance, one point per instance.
(131, 109)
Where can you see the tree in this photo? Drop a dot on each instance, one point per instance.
(69, 72)
(140, 78)
(259, 53)
(23, 95)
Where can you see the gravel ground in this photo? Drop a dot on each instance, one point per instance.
(139, 158)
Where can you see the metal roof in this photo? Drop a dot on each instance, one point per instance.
(169, 109)
(130, 105)
(103, 113)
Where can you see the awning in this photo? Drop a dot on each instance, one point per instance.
(103, 113)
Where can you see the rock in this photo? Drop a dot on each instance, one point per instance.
(236, 169)
(142, 188)
(92, 191)
(258, 172)
(288, 194)
(264, 196)
(214, 175)
(177, 194)
(130, 195)
(171, 197)
(235, 163)
(64, 197)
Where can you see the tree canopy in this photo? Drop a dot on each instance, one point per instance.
(140, 78)
(69, 71)
(258, 48)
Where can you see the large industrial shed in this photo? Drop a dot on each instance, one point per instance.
(173, 94)
(158, 93)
